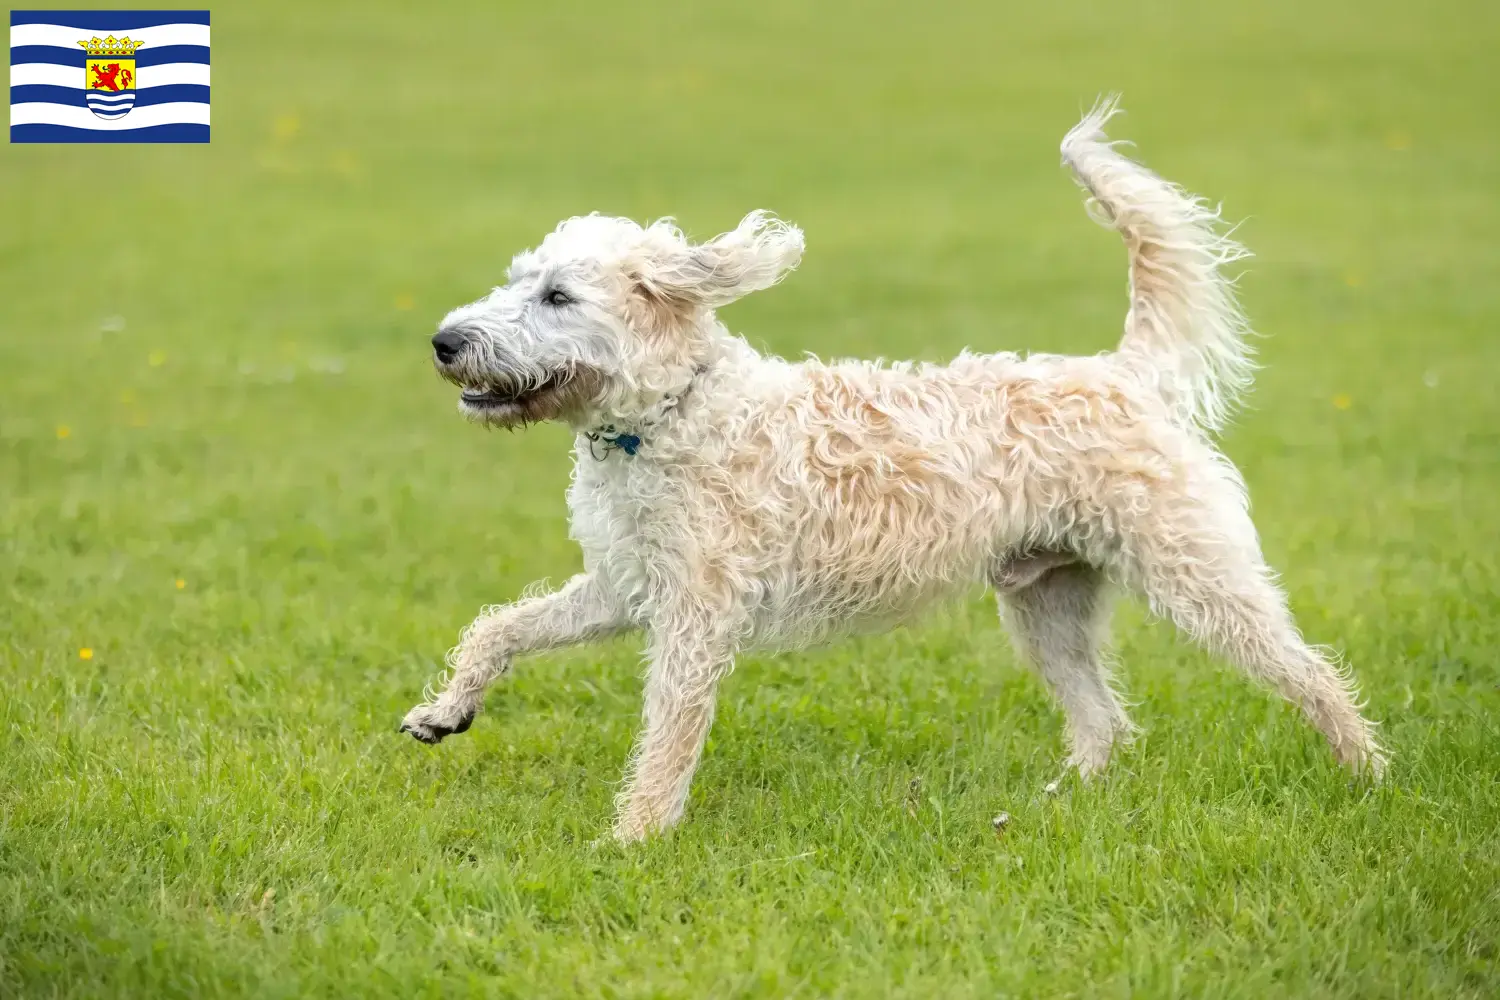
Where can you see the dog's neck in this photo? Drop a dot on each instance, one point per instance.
(628, 438)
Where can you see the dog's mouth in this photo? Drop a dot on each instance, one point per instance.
(515, 404)
(488, 396)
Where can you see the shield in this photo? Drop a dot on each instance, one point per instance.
(109, 76)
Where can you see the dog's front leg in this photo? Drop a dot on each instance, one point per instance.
(580, 611)
(688, 658)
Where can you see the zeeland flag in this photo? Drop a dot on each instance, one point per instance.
(109, 76)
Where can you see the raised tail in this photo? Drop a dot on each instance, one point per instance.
(1185, 330)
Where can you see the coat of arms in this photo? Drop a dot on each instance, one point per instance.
(109, 76)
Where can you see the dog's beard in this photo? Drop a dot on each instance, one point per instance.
(507, 401)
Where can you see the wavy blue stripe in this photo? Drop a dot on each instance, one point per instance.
(190, 92)
(63, 133)
(159, 56)
(108, 20)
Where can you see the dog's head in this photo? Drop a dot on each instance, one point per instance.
(606, 316)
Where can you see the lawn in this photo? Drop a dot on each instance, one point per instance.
(240, 520)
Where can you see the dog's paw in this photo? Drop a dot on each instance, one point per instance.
(430, 723)
(1089, 763)
(1368, 762)
(625, 833)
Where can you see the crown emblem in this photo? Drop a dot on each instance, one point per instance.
(111, 46)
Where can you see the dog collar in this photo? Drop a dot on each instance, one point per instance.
(607, 437)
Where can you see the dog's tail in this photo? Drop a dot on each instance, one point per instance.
(1185, 330)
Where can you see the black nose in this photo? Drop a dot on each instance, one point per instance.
(448, 344)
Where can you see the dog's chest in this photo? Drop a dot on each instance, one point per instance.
(618, 509)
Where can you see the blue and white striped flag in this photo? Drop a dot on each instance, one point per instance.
(109, 76)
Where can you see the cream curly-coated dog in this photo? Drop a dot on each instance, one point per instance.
(726, 501)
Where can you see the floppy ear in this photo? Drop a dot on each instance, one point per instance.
(755, 255)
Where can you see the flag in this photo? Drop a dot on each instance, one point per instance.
(109, 76)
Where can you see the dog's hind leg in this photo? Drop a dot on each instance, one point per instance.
(578, 612)
(1057, 610)
(1200, 565)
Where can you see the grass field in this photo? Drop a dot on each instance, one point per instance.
(240, 520)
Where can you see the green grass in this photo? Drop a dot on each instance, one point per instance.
(217, 802)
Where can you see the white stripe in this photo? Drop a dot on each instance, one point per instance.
(105, 97)
(68, 38)
(29, 74)
(37, 113)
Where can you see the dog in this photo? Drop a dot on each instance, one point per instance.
(727, 501)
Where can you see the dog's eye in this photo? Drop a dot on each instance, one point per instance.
(557, 297)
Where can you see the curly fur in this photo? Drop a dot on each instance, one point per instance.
(774, 505)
